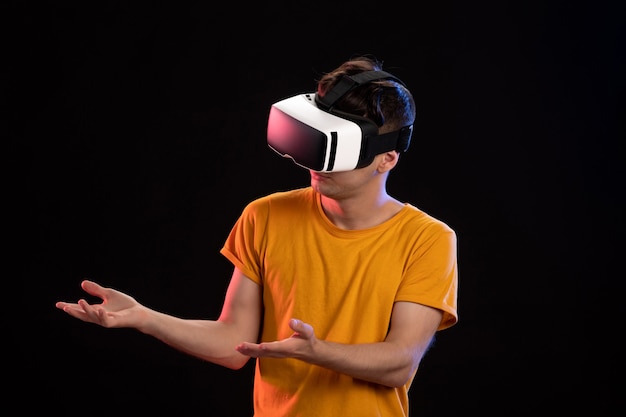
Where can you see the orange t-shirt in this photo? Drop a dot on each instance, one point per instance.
(342, 282)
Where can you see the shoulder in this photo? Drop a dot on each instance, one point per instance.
(425, 230)
(281, 200)
(421, 219)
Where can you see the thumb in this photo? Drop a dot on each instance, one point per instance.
(302, 328)
(92, 288)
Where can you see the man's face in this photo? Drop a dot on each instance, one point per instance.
(344, 184)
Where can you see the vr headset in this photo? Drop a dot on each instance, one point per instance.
(307, 129)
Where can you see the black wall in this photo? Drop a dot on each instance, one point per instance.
(136, 136)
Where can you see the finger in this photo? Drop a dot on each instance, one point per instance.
(103, 316)
(61, 305)
(90, 311)
(74, 310)
(248, 349)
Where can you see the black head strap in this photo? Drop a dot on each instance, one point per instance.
(397, 140)
(349, 82)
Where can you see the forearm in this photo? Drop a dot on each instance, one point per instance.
(384, 363)
(210, 340)
(392, 362)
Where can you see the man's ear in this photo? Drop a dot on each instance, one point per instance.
(388, 161)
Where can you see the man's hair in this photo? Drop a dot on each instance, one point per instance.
(387, 103)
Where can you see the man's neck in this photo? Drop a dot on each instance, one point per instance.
(362, 212)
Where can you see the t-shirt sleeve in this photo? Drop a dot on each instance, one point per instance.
(431, 277)
(244, 244)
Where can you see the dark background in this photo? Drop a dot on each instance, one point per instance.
(136, 136)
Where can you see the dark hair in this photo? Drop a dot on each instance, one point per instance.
(387, 103)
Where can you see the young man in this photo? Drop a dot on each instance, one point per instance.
(338, 288)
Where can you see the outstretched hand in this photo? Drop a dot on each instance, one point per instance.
(298, 345)
(116, 310)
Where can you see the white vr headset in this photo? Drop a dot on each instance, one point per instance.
(308, 130)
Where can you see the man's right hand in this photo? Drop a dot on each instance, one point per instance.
(116, 310)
